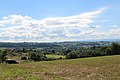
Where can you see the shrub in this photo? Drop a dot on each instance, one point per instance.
(3, 56)
(71, 55)
(37, 56)
(23, 58)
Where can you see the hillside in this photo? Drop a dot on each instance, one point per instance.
(94, 68)
(70, 44)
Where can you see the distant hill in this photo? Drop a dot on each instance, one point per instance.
(69, 44)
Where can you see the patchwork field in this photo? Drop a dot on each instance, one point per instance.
(95, 68)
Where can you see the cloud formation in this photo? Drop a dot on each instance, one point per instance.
(78, 27)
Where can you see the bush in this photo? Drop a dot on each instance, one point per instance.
(3, 56)
(60, 58)
(23, 58)
(71, 55)
(37, 56)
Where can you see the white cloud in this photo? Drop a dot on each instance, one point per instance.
(16, 19)
(77, 27)
(77, 20)
(98, 26)
(115, 26)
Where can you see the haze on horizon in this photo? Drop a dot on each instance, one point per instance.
(59, 20)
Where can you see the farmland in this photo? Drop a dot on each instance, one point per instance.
(94, 68)
(54, 56)
(59, 40)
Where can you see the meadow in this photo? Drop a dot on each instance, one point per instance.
(93, 68)
(55, 56)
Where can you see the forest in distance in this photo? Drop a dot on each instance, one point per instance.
(64, 50)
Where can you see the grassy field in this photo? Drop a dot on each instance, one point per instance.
(95, 68)
(54, 56)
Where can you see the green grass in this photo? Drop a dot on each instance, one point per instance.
(95, 68)
(54, 56)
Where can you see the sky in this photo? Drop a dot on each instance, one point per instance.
(59, 20)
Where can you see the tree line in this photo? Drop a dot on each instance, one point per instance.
(70, 53)
(113, 49)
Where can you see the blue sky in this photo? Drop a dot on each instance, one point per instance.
(59, 20)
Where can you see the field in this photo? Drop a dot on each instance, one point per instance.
(95, 68)
(54, 56)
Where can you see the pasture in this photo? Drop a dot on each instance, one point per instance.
(94, 68)
(54, 56)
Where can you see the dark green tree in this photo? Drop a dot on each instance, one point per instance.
(115, 48)
(3, 55)
(109, 51)
(37, 56)
(24, 50)
(72, 55)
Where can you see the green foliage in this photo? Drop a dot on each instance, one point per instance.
(109, 51)
(24, 58)
(3, 55)
(115, 48)
(37, 56)
(66, 51)
(69, 49)
(24, 50)
(72, 55)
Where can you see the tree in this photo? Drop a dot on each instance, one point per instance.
(37, 56)
(3, 56)
(72, 55)
(24, 50)
(115, 48)
(66, 51)
(109, 51)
